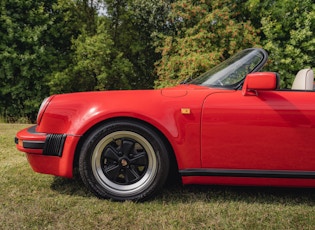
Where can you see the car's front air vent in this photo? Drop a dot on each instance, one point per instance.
(54, 144)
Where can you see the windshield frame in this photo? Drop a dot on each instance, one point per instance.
(231, 73)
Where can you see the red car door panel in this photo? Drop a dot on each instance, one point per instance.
(270, 131)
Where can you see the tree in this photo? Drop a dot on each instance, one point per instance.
(133, 24)
(95, 65)
(287, 28)
(119, 54)
(36, 39)
(23, 57)
(206, 32)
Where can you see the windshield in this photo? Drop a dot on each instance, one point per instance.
(231, 72)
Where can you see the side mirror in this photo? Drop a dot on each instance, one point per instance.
(259, 81)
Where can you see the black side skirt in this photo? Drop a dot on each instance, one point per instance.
(248, 173)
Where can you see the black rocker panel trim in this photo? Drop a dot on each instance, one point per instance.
(249, 173)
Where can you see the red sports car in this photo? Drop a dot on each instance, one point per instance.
(231, 126)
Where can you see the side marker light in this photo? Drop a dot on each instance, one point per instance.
(185, 110)
(20, 143)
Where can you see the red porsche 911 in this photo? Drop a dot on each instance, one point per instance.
(230, 126)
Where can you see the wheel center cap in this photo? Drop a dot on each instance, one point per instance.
(124, 162)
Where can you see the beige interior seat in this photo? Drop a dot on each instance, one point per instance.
(304, 80)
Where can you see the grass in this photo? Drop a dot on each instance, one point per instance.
(34, 201)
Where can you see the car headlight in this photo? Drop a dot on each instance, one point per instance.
(42, 109)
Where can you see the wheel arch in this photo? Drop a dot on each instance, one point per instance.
(168, 145)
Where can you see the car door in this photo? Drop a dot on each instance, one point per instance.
(272, 130)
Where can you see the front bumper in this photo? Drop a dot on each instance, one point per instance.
(30, 141)
(48, 153)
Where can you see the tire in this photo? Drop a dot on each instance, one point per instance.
(124, 160)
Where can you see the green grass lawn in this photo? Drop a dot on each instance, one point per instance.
(29, 200)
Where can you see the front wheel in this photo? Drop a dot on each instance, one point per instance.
(124, 160)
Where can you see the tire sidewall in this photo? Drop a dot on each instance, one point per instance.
(154, 139)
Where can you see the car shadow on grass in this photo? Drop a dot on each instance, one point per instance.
(73, 187)
(177, 193)
(265, 195)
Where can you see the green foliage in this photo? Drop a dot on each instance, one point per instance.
(23, 57)
(206, 33)
(132, 22)
(119, 54)
(95, 65)
(288, 28)
(35, 40)
(66, 46)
